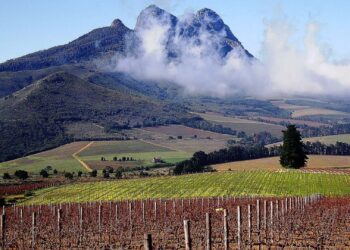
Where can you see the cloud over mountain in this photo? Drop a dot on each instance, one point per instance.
(200, 53)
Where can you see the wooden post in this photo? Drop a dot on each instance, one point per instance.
(99, 217)
(21, 215)
(249, 225)
(239, 223)
(208, 230)
(265, 215)
(258, 215)
(143, 212)
(130, 213)
(59, 214)
(116, 213)
(225, 230)
(155, 209)
(81, 218)
(147, 241)
(187, 234)
(271, 220)
(33, 228)
(174, 207)
(3, 224)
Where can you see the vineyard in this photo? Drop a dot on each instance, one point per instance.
(231, 183)
(197, 223)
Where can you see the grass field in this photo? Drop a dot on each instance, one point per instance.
(239, 124)
(262, 183)
(317, 111)
(59, 158)
(272, 163)
(141, 151)
(186, 132)
(292, 121)
(329, 139)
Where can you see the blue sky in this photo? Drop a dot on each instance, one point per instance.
(30, 25)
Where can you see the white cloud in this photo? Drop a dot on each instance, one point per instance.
(284, 69)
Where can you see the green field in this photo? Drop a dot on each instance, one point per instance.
(240, 124)
(330, 139)
(59, 158)
(262, 183)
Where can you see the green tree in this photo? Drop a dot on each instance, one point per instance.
(44, 173)
(21, 174)
(6, 176)
(68, 175)
(292, 151)
(93, 173)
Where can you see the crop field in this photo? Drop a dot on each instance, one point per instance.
(234, 183)
(317, 111)
(141, 151)
(330, 139)
(187, 132)
(87, 130)
(240, 124)
(309, 222)
(292, 121)
(272, 163)
(59, 158)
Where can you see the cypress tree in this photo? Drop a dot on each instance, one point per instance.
(292, 153)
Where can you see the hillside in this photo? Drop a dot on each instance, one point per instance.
(35, 117)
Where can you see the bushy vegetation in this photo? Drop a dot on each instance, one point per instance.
(200, 160)
(21, 174)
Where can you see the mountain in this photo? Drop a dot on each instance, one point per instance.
(111, 40)
(36, 117)
(44, 93)
(92, 45)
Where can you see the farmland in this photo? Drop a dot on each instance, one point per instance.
(235, 183)
(59, 158)
(241, 124)
(150, 143)
(217, 222)
(272, 163)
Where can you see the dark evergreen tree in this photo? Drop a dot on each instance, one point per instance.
(292, 152)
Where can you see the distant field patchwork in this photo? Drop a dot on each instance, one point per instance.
(236, 183)
(272, 163)
(239, 124)
(59, 158)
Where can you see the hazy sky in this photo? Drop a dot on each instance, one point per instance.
(30, 25)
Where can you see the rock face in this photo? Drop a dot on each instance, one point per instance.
(112, 39)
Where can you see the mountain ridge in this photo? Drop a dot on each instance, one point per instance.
(112, 39)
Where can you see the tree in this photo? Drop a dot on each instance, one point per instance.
(80, 173)
(119, 173)
(44, 173)
(21, 174)
(93, 173)
(68, 175)
(292, 152)
(55, 171)
(6, 176)
(48, 168)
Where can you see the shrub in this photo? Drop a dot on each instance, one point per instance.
(80, 173)
(44, 173)
(21, 174)
(93, 173)
(6, 176)
(68, 175)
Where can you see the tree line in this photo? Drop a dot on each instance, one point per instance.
(200, 160)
